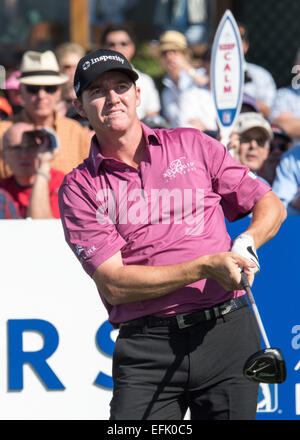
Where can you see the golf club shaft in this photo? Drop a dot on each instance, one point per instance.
(246, 286)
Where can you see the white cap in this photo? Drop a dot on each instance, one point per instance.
(253, 120)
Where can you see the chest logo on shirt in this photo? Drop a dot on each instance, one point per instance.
(178, 167)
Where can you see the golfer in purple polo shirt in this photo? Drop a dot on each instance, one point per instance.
(145, 215)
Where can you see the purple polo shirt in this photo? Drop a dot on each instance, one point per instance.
(168, 211)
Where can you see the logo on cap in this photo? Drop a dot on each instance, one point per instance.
(86, 65)
(97, 63)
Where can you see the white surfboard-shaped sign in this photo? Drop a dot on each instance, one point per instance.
(227, 74)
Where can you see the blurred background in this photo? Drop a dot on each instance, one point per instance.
(273, 26)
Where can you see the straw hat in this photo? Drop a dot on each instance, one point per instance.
(41, 69)
(172, 40)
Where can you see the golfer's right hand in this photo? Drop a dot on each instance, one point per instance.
(225, 269)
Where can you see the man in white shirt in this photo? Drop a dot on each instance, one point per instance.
(186, 100)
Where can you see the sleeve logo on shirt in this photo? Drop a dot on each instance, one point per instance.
(179, 167)
(82, 253)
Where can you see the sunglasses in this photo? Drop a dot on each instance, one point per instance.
(34, 90)
(261, 142)
(165, 52)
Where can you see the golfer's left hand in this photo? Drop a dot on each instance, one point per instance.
(244, 246)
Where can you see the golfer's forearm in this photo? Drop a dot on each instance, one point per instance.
(268, 215)
(138, 283)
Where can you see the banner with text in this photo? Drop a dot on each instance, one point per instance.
(56, 343)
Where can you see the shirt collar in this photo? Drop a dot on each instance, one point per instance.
(151, 135)
(96, 157)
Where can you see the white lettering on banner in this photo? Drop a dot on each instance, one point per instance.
(297, 395)
(297, 392)
(267, 398)
(296, 339)
(64, 304)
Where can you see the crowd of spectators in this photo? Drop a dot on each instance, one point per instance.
(42, 137)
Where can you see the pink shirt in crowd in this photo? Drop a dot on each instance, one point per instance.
(168, 211)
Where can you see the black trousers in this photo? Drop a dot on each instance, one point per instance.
(160, 372)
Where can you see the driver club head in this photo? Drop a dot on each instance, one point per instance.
(266, 366)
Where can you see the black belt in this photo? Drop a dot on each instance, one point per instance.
(188, 319)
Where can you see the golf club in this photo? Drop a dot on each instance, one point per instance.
(268, 365)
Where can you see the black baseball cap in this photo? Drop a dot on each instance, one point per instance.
(92, 65)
